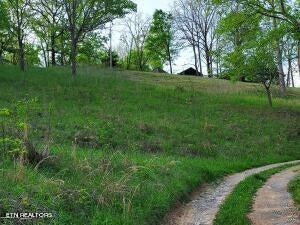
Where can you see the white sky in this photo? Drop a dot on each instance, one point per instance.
(185, 58)
(149, 6)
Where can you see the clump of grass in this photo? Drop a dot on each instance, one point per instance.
(294, 189)
(15, 140)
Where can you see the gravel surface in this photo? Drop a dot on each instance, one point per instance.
(273, 203)
(205, 201)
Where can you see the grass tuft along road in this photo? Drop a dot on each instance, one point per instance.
(294, 188)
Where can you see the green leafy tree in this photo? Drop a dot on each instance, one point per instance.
(251, 47)
(32, 55)
(64, 48)
(91, 49)
(47, 23)
(85, 16)
(5, 37)
(105, 58)
(19, 14)
(135, 61)
(280, 12)
(287, 11)
(160, 43)
(238, 29)
(261, 68)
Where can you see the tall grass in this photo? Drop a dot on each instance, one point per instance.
(128, 145)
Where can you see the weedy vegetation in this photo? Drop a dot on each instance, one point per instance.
(120, 147)
(294, 188)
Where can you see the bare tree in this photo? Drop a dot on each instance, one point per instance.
(206, 23)
(290, 55)
(138, 28)
(125, 49)
(185, 22)
(197, 22)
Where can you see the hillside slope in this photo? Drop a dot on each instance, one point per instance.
(127, 145)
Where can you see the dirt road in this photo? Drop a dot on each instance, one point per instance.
(205, 201)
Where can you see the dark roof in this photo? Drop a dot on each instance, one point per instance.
(158, 70)
(189, 71)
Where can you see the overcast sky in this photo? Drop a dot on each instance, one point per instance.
(149, 6)
(186, 57)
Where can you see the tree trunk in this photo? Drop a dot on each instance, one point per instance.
(62, 50)
(195, 57)
(53, 61)
(110, 47)
(299, 57)
(268, 91)
(62, 57)
(1, 54)
(44, 55)
(208, 62)
(269, 97)
(128, 60)
(74, 61)
(48, 55)
(199, 59)
(140, 59)
(288, 79)
(292, 78)
(21, 54)
(74, 42)
(170, 64)
(129, 56)
(211, 66)
(280, 70)
(170, 59)
(279, 61)
(217, 56)
(171, 68)
(15, 59)
(73, 55)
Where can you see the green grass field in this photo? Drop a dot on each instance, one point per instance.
(128, 145)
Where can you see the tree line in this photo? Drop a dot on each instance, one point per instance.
(247, 40)
(62, 28)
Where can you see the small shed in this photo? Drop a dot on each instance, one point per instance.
(158, 70)
(190, 71)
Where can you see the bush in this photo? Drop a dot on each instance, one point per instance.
(14, 135)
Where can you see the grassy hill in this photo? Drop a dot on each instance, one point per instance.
(125, 146)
